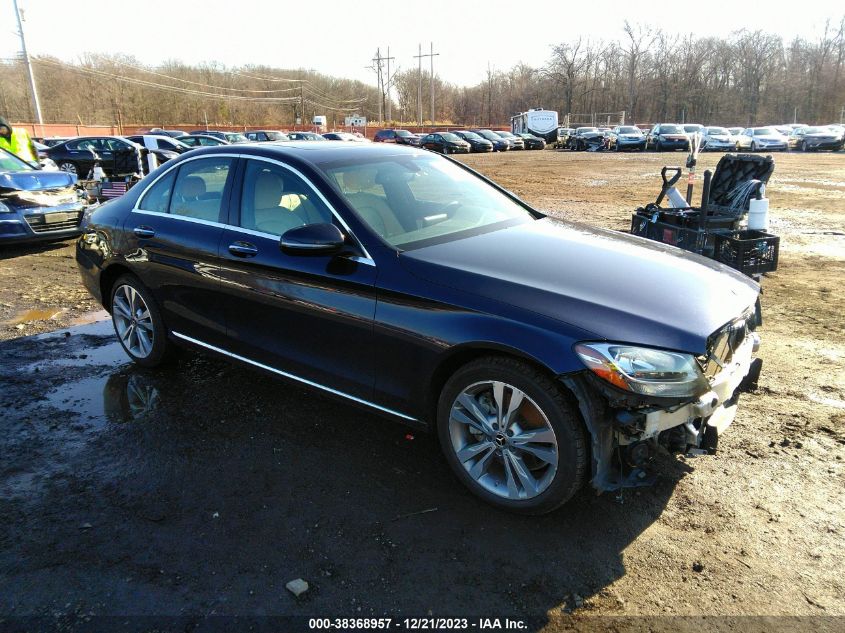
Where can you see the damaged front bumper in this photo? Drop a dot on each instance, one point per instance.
(624, 439)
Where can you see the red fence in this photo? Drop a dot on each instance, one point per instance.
(68, 129)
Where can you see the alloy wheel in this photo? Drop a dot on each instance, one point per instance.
(503, 440)
(69, 168)
(133, 322)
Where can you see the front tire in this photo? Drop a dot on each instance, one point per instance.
(511, 435)
(138, 324)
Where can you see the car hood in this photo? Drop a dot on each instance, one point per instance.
(612, 285)
(719, 137)
(822, 135)
(35, 180)
(770, 138)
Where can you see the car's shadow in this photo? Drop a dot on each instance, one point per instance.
(204, 488)
(12, 250)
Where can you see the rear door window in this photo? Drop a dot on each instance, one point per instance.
(199, 188)
(157, 197)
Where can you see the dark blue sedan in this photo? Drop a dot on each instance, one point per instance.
(37, 205)
(543, 354)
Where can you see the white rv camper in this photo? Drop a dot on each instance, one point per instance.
(539, 122)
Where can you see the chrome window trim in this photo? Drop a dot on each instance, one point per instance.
(292, 376)
(180, 217)
(366, 259)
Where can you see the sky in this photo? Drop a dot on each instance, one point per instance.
(341, 38)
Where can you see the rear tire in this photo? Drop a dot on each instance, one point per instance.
(529, 460)
(138, 324)
(69, 167)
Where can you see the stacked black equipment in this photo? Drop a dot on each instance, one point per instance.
(713, 228)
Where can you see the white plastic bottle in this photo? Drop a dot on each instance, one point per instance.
(758, 214)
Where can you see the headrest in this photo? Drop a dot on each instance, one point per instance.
(269, 187)
(192, 187)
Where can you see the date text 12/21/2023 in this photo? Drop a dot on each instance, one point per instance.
(416, 624)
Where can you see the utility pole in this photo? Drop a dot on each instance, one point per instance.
(431, 80)
(383, 86)
(432, 55)
(489, 95)
(35, 103)
(389, 100)
(419, 86)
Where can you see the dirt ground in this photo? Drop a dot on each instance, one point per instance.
(111, 499)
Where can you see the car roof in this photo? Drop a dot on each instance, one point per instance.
(312, 152)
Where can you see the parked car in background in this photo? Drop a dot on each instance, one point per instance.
(735, 133)
(531, 141)
(624, 137)
(784, 130)
(499, 144)
(476, 142)
(37, 205)
(515, 141)
(445, 143)
(345, 136)
(763, 138)
(693, 128)
(717, 139)
(305, 136)
(229, 137)
(44, 160)
(405, 283)
(563, 134)
(55, 140)
(667, 137)
(585, 137)
(260, 136)
(838, 130)
(78, 156)
(400, 137)
(160, 132)
(157, 142)
(814, 138)
(201, 140)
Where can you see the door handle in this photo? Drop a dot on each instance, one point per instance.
(243, 249)
(143, 231)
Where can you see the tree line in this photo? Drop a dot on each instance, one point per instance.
(744, 78)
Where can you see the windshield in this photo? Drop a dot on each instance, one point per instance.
(764, 131)
(716, 131)
(468, 135)
(629, 129)
(692, 128)
(586, 130)
(409, 200)
(276, 136)
(10, 162)
(448, 136)
(504, 134)
(237, 138)
(403, 133)
(671, 129)
(815, 130)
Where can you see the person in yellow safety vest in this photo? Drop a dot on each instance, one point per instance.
(17, 141)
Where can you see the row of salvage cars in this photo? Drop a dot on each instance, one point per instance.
(675, 136)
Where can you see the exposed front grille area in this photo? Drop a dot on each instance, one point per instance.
(47, 222)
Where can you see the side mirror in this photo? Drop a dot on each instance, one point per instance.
(313, 239)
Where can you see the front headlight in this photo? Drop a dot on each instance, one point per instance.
(644, 371)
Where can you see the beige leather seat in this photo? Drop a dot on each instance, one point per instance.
(191, 200)
(269, 215)
(372, 208)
